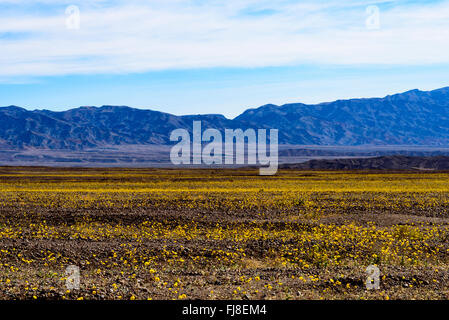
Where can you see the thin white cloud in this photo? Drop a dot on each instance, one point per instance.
(138, 36)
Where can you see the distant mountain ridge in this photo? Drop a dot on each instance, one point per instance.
(410, 118)
(88, 127)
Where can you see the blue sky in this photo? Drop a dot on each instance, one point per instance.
(189, 57)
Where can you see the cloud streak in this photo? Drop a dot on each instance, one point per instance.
(140, 36)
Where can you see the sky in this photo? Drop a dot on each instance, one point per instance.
(213, 56)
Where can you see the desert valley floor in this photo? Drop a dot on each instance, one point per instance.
(222, 234)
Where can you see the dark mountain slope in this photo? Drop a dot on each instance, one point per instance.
(378, 163)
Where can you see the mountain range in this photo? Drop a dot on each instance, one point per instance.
(411, 118)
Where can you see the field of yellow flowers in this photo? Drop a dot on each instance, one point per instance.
(222, 234)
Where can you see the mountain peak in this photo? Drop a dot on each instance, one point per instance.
(16, 108)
